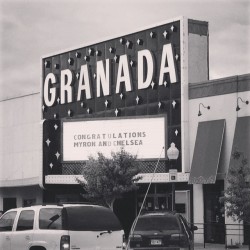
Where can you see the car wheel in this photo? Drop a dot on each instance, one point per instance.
(37, 248)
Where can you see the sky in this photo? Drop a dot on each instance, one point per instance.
(30, 29)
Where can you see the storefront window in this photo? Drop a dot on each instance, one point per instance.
(158, 197)
(29, 202)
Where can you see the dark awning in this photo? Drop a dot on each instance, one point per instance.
(241, 142)
(207, 152)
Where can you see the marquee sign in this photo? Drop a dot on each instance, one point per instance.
(84, 91)
(117, 86)
(144, 137)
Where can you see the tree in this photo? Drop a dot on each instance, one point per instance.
(237, 195)
(106, 179)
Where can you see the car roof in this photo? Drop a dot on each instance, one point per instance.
(37, 207)
(159, 213)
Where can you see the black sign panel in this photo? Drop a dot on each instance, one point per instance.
(76, 86)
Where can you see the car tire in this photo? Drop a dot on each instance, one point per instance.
(37, 248)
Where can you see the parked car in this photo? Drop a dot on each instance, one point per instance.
(60, 227)
(161, 231)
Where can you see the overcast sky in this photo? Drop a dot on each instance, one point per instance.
(30, 29)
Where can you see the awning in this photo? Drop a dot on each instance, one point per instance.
(207, 150)
(241, 142)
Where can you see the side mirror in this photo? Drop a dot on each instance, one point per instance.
(193, 228)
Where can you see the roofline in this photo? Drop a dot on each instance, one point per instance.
(222, 86)
(228, 78)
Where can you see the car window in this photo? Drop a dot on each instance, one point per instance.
(7, 221)
(88, 218)
(25, 220)
(157, 222)
(50, 218)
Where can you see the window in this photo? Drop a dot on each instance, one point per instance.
(26, 220)
(50, 218)
(7, 221)
(29, 202)
(157, 222)
(9, 203)
(88, 218)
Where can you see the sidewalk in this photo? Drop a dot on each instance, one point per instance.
(216, 247)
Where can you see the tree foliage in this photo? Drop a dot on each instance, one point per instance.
(237, 194)
(108, 178)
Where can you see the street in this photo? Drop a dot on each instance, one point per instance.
(198, 246)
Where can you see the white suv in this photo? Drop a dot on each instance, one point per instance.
(60, 227)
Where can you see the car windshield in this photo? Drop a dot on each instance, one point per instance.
(157, 222)
(91, 218)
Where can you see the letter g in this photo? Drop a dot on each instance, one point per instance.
(49, 92)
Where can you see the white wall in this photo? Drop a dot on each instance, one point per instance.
(21, 194)
(198, 208)
(197, 58)
(222, 107)
(183, 196)
(20, 141)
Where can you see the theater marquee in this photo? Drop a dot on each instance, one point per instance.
(130, 91)
(144, 137)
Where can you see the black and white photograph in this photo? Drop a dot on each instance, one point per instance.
(124, 124)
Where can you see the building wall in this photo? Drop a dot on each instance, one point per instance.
(197, 58)
(194, 69)
(23, 195)
(221, 95)
(20, 147)
(222, 107)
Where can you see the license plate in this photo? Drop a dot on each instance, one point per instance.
(156, 242)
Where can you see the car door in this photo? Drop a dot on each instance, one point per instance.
(93, 227)
(21, 237)
(49, 228)
(6, 225)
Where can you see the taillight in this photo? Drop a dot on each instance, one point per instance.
(124, 244)
(179, 239)
(65, 242)
(135, 240)
(135, 237)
